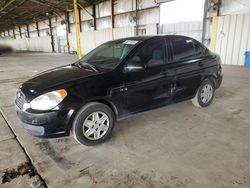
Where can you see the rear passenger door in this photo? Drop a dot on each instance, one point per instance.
(151, 87)
(188, 63)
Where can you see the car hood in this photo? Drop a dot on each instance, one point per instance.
(54, 78)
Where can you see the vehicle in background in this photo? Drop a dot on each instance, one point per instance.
(5, 49)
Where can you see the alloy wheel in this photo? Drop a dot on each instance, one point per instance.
(95, 125)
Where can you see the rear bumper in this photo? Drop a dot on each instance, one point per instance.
(46, 125)
(219, 81)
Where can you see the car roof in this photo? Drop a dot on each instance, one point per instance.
(146, 37)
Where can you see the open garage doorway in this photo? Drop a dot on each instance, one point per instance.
(62, 43)
(182, 17)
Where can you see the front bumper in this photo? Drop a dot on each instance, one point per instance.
(46, 125)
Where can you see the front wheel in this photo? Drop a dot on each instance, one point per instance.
(205, 94)
(93, 124)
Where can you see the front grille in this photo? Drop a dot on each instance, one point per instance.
(20, 99)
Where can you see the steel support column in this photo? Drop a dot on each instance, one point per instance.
(78, 42)
(67, 30)
(204, 24)
(28, 31)
(112, 17)
(94, 16)
(214, 25)
(51, 35)
(14, 34)
(37, 28)
(20, 32)
(67, 21)
(136, 17)
(80, 19)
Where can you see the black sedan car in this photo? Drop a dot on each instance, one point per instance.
(115, 80)
(5, 49)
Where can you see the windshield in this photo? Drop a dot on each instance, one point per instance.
(108, 55)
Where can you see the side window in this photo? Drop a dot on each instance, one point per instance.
(183, 48)
(152, 54)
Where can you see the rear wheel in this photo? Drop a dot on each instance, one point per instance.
(93, 124)
(205, 94)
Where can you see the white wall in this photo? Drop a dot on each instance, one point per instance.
(234, 7)
(181, 11)
(233, 38)
(191, 29)
(123, 32)
(91, 39)
(40, 44)
(151, 29)
(124, 10)
(124, 26)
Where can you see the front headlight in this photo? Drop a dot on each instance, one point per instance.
(49, 100)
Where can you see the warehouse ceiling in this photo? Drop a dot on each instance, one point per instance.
(20, 12)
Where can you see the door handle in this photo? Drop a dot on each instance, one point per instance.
(124, 89)
(201, 64)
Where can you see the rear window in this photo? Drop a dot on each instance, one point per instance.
(183, 48)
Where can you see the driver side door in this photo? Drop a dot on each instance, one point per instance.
(151, 86)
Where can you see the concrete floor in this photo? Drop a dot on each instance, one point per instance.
(175, 146)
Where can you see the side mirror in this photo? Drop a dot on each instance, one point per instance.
(134, 65)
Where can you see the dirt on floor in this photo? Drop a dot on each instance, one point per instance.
(178, 146)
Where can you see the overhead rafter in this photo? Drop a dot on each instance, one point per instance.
(23, 12)
(6, 5)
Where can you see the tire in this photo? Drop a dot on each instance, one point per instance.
(93, 124)
(201, 99)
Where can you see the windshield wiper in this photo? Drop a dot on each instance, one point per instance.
(89, 65)
(76, 64)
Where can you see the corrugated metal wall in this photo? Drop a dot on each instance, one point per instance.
(40, 44)
(92, 39)
(191, 29)
(229, 7)
(233, 38)
(125, 21)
